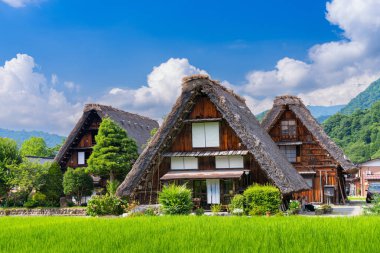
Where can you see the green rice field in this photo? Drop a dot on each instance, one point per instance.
(190, 234)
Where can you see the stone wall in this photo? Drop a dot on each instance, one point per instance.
(43, 212)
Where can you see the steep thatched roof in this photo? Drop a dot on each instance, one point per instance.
(295, 104)
(137, 127)
(234, 110)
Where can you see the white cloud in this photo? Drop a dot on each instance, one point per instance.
(20, 3)
(336, 71)
(54, 79)
(71, 86)
(30, 102)
(155, 99)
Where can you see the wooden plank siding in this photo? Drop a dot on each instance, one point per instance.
(85, 141)
(205, 109)
(312, 157)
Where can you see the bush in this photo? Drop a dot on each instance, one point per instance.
(105, 205)
(262, 198)
(294, 207)
(150, 212)
(258, 210)
(237, 202)
(176, 200)
(15, 199)
(375, 208)
(37, 199)
(215, 209)
(199, 211)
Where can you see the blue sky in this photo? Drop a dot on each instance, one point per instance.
(105, 51)
(108, 43)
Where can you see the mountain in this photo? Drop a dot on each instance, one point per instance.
(20, 136)
(358, 133)
(365, 99)
(321, 113)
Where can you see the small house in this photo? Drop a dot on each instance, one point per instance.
(212, 143)
(304, 143)
(78, 145)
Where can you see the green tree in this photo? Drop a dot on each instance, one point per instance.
(53, 184)
(114, 152)
(77, 183)
(9, 155)
(36, 146)
(28, 176)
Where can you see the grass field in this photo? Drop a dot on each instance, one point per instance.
(189, 234)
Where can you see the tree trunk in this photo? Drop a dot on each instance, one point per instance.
(112, 177)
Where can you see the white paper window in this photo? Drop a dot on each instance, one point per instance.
(212, 134)
(213, 191)
(205, 134)
(81, 158)
(191, 163)
(221, 162)
(229, 162)
(198, 135)
(236, 162)
(184, 163)
(177, 163)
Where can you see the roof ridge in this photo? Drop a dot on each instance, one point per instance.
(100, 107)
(288, 100)
(187, 79)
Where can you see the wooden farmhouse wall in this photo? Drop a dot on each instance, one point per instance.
(84, 141)
(313, 162)
(203, 110)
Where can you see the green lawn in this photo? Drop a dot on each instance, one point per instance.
(189, 234)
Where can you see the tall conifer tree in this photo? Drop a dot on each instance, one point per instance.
(114, 152)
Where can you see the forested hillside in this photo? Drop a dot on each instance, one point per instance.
(357, 133)
(20, 136)
(365, 99)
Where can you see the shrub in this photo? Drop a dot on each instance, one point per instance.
(216, 209)
(294, 207)
(105, 205)
(176, 199)
(326, 208)
(132, 205)
(375, 208)
(237, 211)
(37, 199)
(199, 211)
(262, 198)
(16, 199)
(237, 202)
(150, 212)
(294, 204)
(258, 210)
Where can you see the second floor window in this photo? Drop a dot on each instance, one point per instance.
(288, 127)
(229, 162)
(205, 135)
(184, 163)
(290, 152)
(81, 158)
